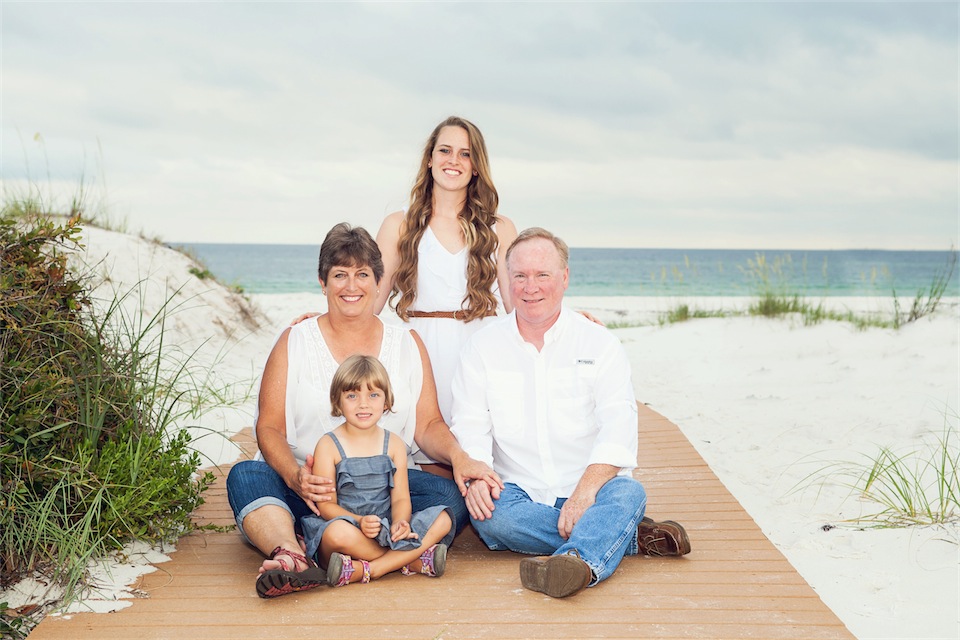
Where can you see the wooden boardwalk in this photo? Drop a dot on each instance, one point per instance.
(735, 583)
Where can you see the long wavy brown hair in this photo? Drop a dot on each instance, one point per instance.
(476, 222)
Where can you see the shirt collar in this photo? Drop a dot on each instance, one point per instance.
(557, 329)
(552, 333)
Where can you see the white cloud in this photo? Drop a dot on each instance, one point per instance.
(687, 125)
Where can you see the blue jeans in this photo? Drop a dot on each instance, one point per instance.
(252, 484)
(604, 534)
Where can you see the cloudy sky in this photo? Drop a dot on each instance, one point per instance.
(687, 125)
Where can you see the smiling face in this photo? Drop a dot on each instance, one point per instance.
(351, 291)
(363, 407)
(450, 162)
(538, 279)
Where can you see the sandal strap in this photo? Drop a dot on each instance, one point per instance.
(346, 570)
(366, 572)
(426, 561)
(297, 557)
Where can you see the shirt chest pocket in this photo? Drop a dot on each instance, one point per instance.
(573, 397)
(505, 401)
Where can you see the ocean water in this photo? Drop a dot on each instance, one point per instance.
(266, 268)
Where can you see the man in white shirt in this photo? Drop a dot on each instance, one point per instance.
(545, 397)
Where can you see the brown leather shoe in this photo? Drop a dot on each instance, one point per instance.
(667, 538)
(556, 576)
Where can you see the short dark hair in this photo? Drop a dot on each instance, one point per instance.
(347, 246)
(355, 372)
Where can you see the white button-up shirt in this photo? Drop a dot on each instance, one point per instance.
(539, 418)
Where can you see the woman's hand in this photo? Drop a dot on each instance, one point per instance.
(313, 489)
(370, 526)
(400, 530)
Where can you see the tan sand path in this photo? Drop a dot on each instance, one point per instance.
(735, 583)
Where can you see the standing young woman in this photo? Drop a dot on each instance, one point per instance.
(444, 257)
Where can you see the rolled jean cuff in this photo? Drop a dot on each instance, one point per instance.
(256, 504)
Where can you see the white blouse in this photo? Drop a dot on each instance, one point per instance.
(310, 369)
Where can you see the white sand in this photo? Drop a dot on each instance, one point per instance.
(766, 402)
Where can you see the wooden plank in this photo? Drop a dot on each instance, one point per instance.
(492, 629)
(735, 583)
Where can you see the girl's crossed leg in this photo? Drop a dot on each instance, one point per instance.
(343, 537)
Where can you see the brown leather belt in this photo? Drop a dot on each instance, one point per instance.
(453, 315)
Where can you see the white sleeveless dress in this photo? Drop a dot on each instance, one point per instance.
(441, 286)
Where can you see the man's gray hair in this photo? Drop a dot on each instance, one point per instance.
(539, 232)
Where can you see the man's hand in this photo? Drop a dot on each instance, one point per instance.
(479, 499)
(583, 497)
(313, 489)
(370, 526)
(571, 512)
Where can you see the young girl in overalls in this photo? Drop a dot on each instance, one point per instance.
(368, 530)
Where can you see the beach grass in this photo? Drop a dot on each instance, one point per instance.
(776, 307)
(900, 487)
(909, 488)
(774, 298)
(683, 312)
(92, 454)
(200, 269)
(926, 300)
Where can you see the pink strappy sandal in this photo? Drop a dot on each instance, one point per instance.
(433, 562)
(340, 570)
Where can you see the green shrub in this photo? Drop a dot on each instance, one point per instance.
(90, 457)
(202, 274)
(16, 624)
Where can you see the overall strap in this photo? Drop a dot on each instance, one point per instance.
(343, 454)
(386, 441)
